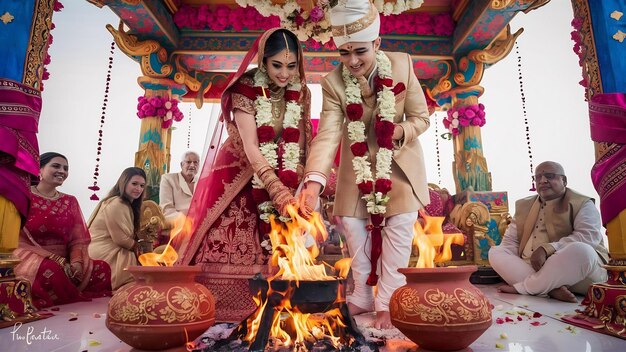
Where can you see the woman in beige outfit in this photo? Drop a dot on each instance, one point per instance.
(114, 225)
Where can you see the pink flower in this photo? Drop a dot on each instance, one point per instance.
(317, 14)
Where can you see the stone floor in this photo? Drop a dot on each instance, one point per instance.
(546, 333)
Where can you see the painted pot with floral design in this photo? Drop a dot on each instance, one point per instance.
(163, 308)
(439, 309)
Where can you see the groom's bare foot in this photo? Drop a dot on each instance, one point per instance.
(356, 310)
(563, 294)
(383, 320)
(507, 289)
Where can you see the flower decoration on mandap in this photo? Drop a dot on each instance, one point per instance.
(161, 107)
(310, 19)
(471, 115)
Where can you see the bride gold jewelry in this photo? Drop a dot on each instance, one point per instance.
(286, 46)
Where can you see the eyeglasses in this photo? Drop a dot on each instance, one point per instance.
(548, 175)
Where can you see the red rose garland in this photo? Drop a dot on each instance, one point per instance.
(374, 190)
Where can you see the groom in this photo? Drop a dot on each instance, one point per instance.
(375, 109)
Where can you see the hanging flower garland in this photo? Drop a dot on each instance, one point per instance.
(96, 172)
(471, 115)
(525, 113)
(314, 21)
(161, 107)
(374, 190)
(284, 157)
(581, 52)
(57, 7)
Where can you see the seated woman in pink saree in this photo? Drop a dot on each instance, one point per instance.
(53, 243)
(254, 173)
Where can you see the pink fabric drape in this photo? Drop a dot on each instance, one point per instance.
(607, 115)
(20, 107)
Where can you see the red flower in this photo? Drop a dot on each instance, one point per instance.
(292, 95)
(260, 195)
(265, 134)
(355, 111)
(379, 83)
(385, 142)
(384, 128)
(291, 135)
(383, 185)
(399, 88)
(358, 148)
(366, 187)
(289, 178)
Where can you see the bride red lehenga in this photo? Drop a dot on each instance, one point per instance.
(227, 238)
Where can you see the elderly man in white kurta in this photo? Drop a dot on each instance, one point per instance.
(554, 246)
(176, 189)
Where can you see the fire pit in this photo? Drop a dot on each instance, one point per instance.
(306, 315)
(303, 306)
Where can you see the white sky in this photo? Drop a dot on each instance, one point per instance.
(557, 112)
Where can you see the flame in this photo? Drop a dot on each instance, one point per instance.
(290, 254)
(166, 255)
(434, 245)
(296, 262)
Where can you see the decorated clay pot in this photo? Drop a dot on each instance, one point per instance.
(163, 308)
(439, 309)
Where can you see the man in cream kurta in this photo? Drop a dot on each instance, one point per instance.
(409, 190)
(554, 246)
(176, 189)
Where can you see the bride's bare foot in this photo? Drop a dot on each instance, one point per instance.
(563, 294)
(383, 320)
(507, 289)
(356, 310)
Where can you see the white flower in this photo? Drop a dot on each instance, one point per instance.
(168, 105)
(454, 123)
(387, 105)
(388, 9)
(375, 203)
(268, 150)
(292, 115)
(168, 116)
(383, 163)
(256, 182)
(356, 131)
(291, 156)
(362, 168)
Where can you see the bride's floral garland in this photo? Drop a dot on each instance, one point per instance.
(290, 150)
(374, 190)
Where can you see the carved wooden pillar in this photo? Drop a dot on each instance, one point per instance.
(153, 153)
(470, 164)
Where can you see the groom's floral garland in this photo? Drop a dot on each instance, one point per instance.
(290, 150)
(374, 190)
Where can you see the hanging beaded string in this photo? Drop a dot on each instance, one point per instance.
(526, 125)
(189, 128)
(437, 150)
(96, 171)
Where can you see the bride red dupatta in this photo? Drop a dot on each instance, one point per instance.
(226, 170)
(223, 233)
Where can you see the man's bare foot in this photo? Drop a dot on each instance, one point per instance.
(507, 289)
(563, 294)
(356, 310)
(383, 320)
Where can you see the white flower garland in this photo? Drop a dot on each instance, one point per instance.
(269, 150)
(307, 29)
(375, 201)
